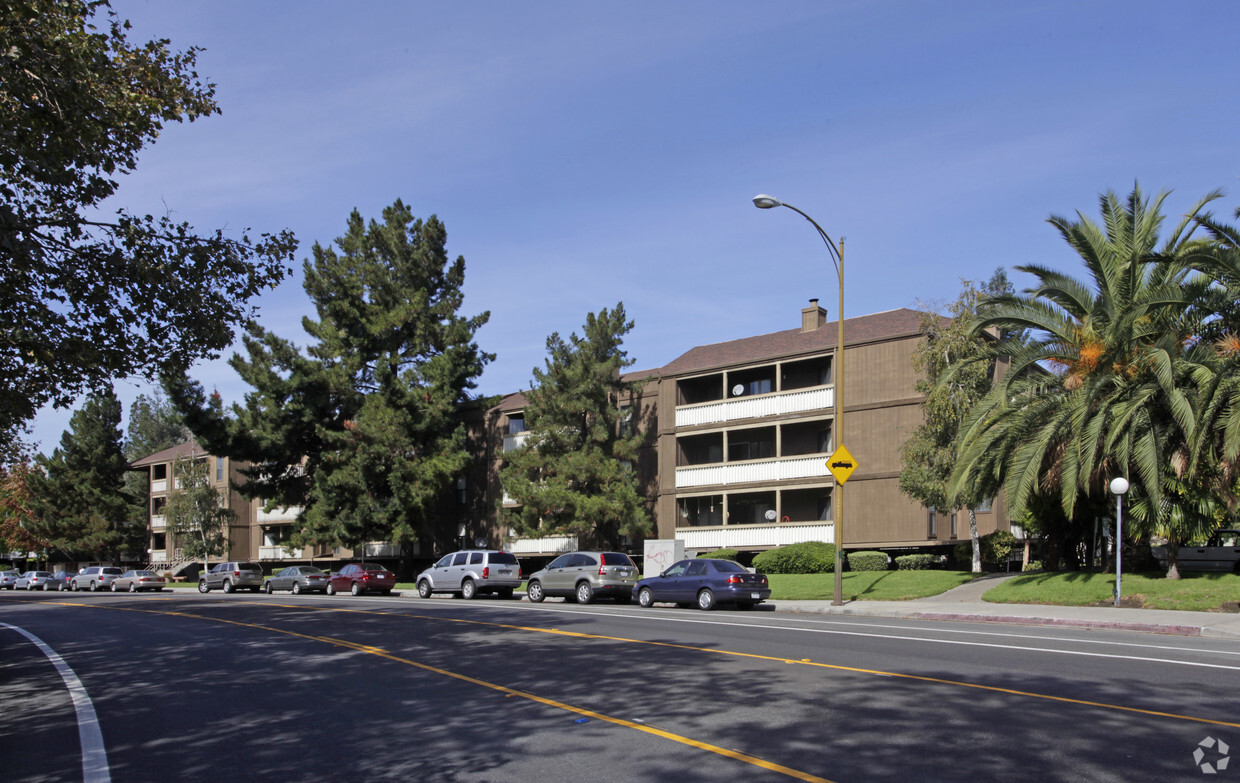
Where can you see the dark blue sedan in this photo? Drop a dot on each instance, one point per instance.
(706, 582)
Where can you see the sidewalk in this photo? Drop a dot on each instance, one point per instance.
(965, 604)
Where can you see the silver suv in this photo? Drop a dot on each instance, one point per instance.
(94, 578)
(471, 572)
(231, 576)
(584, 576)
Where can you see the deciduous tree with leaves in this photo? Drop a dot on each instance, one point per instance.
(363, 429)
(575, 474)
(87, 297)
(952, 383)
(197, 516)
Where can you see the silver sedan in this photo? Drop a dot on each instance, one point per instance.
(136, 581)
(299, 579)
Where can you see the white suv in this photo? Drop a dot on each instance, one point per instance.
(471, 572)
(94, 578)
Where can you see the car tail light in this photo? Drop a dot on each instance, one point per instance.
(735, 579)
(236, 573)
(486, 572)
(602, 569)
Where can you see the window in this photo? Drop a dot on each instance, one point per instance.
(461, 557)
(475, 558)
(219, 468)
(953, 524)
(159, 472)
(933, 531)
(696, 568)
(561, 561)
(516, 423)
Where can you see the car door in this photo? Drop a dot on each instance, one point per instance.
(695, 578)
(554, 580)
(455, 573)
(665, 585)
(1220, 553)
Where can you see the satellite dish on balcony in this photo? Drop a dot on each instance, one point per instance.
(770, 515)
(480, 543)
(738, 390)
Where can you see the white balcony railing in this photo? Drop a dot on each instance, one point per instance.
(279, 514)
(730, 536)
(755, 407)
(278, 553)
(782, 469)
(378, 549)
(159, 485)
(515, 441)
(159, 522)
(542, 546)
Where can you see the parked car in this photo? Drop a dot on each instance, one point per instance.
(584, 576)
(707, 582)
(471, 572)
(358, 578)
(32, 580)
(1221, 552)
(230, 576)
(299, 579)
(136, 581)
(59, 581)
(8, 579)
(94, 578)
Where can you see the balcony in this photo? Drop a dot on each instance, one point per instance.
(542, 546)
(278, 553)
(515, 441)
(756, 407)
(279, 514)
(734, 536)
(758, 471)
(159, 523)
(159, 485)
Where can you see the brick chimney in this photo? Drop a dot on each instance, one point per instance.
(813, 317)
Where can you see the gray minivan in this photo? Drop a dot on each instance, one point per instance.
(471, 572)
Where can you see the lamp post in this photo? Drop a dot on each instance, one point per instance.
(763, 201)
(1119, 486)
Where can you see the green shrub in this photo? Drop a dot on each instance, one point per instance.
(917, 562)
(995, 548)
(808, 557)
(1034, 565)
(722, 554)
(868, 561)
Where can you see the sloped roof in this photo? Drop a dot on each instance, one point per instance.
(793, 342)
(169, 454)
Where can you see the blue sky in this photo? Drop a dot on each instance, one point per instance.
(582, 154)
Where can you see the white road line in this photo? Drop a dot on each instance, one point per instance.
(94, 756)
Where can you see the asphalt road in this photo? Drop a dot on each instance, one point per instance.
(250, 687)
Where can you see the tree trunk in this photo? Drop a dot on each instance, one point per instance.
(1173, 559)
(977, 544)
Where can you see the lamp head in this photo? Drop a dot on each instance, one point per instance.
(1119, 485)
(763, 201)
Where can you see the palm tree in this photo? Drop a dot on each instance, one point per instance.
(1100, 382)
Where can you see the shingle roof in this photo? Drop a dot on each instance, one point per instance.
(793, 342)
(169, 454)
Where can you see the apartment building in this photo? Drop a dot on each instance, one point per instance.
(738, 438)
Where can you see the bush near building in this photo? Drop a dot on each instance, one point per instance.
(996, 547)
(917, 562)
(722, 554)
(808, 557)
(868, 561)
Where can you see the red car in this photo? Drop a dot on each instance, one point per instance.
(358, 578)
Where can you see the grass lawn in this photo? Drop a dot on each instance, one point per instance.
(1196, 592)
(866, 585)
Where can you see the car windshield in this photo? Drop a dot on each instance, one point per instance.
(143, 573)
(248, 567)
(371, 567)
(503, 558)
(115, 571)
(311, 570)
(729, 567)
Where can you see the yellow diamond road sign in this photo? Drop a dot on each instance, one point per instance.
(841, 464)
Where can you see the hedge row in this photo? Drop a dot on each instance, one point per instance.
(868, 561)
(809, 557)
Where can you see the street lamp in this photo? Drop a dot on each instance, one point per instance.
(1119, 486)
(763, 201)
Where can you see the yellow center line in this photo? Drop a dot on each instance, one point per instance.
(683, 740)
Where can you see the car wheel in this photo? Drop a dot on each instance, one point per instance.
(585, 593)
(706, 600)
(469, 590)
(133, 587)
(296, 588)
(645, 598)
(202, 587)
(356, 589)
(114, 587)
(534, 592)
(46, 587)
(269, 588)
(330, 589)
(94, 587)
(424, 589)
(228, 588)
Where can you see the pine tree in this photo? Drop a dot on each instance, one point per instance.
(363, 429)
(79, 493)
(576, 474)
